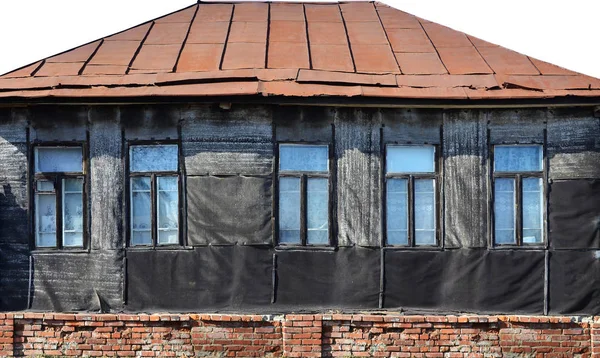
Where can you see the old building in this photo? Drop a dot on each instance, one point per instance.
(270, 157)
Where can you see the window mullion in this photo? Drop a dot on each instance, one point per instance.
(58, 192)
(303, 211)
(154, 211)
(411, 211)
(519, 209)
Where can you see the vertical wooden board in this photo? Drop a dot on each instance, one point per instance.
(106, 179)
(13, 180)
(411, 126)
(358, 159)
(573, 144)
(517, 126)
(235, 141)
(303, 124)
(58, 123)
(465, 154)
(156, 122)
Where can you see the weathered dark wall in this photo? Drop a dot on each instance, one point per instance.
(229, 259)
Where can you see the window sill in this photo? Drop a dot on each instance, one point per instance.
(536, 247)
(304, 248)
(55, 251)
(159, 248)
(413, 248)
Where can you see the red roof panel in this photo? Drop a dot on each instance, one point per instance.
(287, 12)
(374, 59)
(288, 55)
(358, 11)
(331, 57)
(443, 36)
(505, 61)
(50, 69)
(420, 63)
(156, 57)
(365, 33)
(251, 11)
(352, 49)
(79, 54)
(134, 34)
(200, 57)
(117, 53)
(325, 33)
(167, 33)
(323, 13)
(409, 40)
(248, 32)
(214, 12)
(463, 60)
(287, 31)
(244, 55)
(208, 32)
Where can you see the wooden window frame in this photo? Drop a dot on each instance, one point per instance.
(411, 177)
(303, 176)
(57, 179)
(153, 176)
(518, 178)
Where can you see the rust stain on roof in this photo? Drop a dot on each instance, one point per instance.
(350, 49)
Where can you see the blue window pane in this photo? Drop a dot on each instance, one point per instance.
(289, 210)
(410, 159)
(317, 212)
(504, 211)
(397, 212)
(168, 210)
(153, 158)
(424, 212)
(72, 212)
(517, 158)
(141, 211)
(311, 158)
(58, 160)
(532, 210)
(45, 207)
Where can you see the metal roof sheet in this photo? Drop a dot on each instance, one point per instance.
(364, 49)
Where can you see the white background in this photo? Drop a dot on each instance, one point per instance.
(566, 33)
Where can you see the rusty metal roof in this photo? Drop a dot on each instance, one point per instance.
(356, 49)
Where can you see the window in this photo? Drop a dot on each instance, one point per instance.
(411, 196)
(518, 195)
(59, 197)
(303, 194)
(154, 195)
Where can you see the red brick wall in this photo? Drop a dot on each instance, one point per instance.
(322, 335)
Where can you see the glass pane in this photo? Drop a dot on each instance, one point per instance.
(58, 159)
(141, 211)
(168, 237)
(140, 184)
(517, 158)
(504, 211)
(168, 210)
(153, 158)
(532, 210)
(45, 209)
(397, 212)
(73, 239)
(289, 210)
(424, 212)
(396, 237)
(410, 159)
(72, 212)
(141, 238)
(44, 185)
(313, 158)
(73, 185)
(317, 212)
